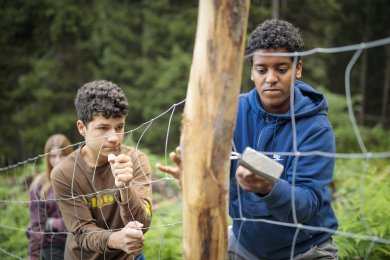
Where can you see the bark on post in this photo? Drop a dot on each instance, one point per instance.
(208, 125)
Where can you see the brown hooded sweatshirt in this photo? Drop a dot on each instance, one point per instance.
(91, 204)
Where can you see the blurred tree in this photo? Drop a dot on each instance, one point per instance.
(50, 48)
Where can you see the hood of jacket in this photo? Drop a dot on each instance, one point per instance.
(307, 102)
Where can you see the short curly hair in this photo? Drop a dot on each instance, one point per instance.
(100, 98)
(274, 33)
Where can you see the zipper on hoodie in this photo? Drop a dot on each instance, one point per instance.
(261, 132)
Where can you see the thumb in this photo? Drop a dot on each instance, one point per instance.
(111, 158)
(134, 225)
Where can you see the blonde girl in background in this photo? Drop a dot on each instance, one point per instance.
(45, 215)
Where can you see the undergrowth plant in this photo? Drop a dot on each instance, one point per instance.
(362, 207)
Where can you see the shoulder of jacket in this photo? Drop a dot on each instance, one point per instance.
(243, 97)
(322, 121)
(316, 123)
(67, 165)
(243, 101)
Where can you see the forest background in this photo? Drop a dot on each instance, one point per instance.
(50, 48)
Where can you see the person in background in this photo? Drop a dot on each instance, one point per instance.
(45, 215)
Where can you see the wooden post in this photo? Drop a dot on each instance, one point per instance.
(208, 125)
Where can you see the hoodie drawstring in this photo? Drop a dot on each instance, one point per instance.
(273, 137)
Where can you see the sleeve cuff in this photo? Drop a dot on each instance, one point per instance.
(119, 200)
(57, 227)
(110, 250)
(133, 200)
(279, 192)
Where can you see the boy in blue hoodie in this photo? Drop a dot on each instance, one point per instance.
(263, 212)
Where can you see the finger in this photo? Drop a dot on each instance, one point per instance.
(138, 223)
(168, 169)
(122, 158)
(134, 244)
(174, 171)
(175, 159)
(240, 169)
(134, 233)
(122, 165)
(178, 150)
(250, 176)
(134, 224)
(239, 172)
(111, 158)
(126, 178)
(126, 171)
(247, 174)
(137, 243)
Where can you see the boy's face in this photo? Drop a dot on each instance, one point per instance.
(272, 77)
(112, 128)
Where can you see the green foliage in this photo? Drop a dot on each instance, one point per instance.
(348, 183)
(352, 214)
(376, 139)
(50, 48)
(171, 246)
(14, 216)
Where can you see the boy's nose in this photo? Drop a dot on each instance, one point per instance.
(113, 138)
(271, 77)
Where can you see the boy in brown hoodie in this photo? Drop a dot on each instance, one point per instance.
(103, 188)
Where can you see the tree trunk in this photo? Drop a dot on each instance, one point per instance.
(385, 99)
(283, 9)
(363, 73)
(275, 9)
(363, 79)
(208, 125)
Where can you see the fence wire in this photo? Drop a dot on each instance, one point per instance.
(19, 196)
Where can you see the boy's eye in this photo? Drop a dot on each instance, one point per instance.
(103, 128)
(283, 70)
(261, 71)
(120, 127)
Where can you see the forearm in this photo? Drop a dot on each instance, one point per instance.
(280, 200)
(37, 228)
(34, 245)
(93, 239)
(125, 194)
(135, 209)
(113, 240)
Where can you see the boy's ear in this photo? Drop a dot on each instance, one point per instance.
(252, 74)
(81, 127)
(298, 73)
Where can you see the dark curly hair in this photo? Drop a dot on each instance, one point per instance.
(275, 34)
(100, 98)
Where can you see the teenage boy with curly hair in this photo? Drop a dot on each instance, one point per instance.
(264, 123)
(102, 188)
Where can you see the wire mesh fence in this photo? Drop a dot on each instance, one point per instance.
(16, 179)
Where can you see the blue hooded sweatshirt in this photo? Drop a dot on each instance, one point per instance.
(274, 133)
